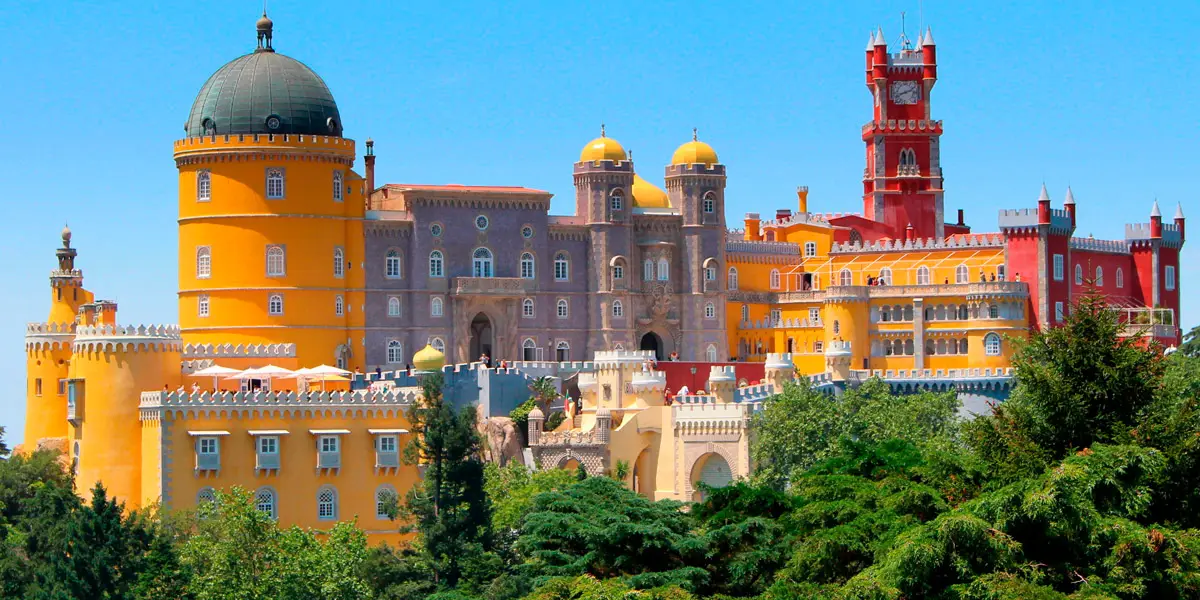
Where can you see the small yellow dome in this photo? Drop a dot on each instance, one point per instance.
(602, 148)
(428, 359)
(694, 152)
(648, 195)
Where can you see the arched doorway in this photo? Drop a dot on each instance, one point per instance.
(651, 341)
(712, 470)
(481, 337)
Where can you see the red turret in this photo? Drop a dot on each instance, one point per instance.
(1179, 220)
(1069, 205)
(1155, 222)
(1044, 207)
(929, 55)
(870, 58)
(879, 67)
(908, 233)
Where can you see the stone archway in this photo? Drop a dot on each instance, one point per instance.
(651, 341)
(711, 469)
(481, 333)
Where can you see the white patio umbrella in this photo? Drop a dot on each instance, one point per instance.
(328, 370)
(215, 371)
(268, 372)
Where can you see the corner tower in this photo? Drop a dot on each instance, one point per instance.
(270, 232)
(902, 183)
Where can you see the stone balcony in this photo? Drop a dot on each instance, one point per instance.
(493, 286)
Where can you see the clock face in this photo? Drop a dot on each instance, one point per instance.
(906, 92)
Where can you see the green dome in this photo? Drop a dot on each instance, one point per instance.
(264, 92)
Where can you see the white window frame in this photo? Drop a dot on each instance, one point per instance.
(922, 275)
(563, 308)
(276, 261)
(776, 280)
(711, 353)
(810, 249)
(648, 270)
(339, 306)
(202, 306)
(618, 309)
(276, 183)
(529, 349)
(1099, 276)
(732, 279)
(393, 267)
(275, 305)
(437, 306)
(710, 273)
(962, 274)
(339, 262)
(745, 312)
(1120, 278)
(203, 262)
(528, 266)
(814, 315)
(562, 266)
(206, 494)
(1059, 312)
(710, 203)
(438, 344)
(618, 271)
(380, 499)
(338, 187)
(481, 262)
(1169, 278)
(1058, 267)
(664, 270)
(437, 264)
(267, 501)
(992, 344)
(394, 306)
(710, 310)
(203, 185)
(885, 276)
(327, 509)
(616, 200)
(1078, 274)
(528, 308)
(562, 351)
(395, 352)
(845, 277)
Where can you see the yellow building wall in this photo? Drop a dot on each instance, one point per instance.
(46, 410)
(297, 481)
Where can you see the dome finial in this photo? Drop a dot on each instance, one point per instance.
(602, 130)
(264, 27)
(694, 138)
(66, 236)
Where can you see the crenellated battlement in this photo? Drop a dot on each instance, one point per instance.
(128, 337)
(153, 404)
(957, 242)
(644, 381)
(239, 351)
(769, 323)
(778, 360)
(258, 141)
(753, 247)
(903, 126)
(623, 356)
(49, 328)
(49, 336)
(1095, 245)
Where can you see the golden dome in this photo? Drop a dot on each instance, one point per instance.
(694, 152)
(428, 359)
(648, 195)
(602, 148)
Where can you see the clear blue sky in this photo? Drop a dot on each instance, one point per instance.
(1092, 94)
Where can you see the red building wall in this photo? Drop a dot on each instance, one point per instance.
(680, 374)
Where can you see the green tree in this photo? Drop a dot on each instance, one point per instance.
(512, 489)
(3, 446)
(1191, 343)
(802, 426)
(449, 507)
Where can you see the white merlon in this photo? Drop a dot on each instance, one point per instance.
(779, 361)
(238, 351)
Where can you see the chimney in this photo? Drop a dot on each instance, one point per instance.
(782, 214)
(752, 222)
(961, 223)
(802, 194)
(369, 160)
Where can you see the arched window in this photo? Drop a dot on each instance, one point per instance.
(908, 347)
(203, 262)
(275, 304)
(710, 310)
(564, 310)
(930, 348)
(1120, 278)
(775, 279)
(618, 271)
(395, 352)
(393, 306)
(963, 312)
(392, 264)
(339, 263)
(616, 200)
(206, 495)
(885, 276)
(327, 504)
(648, 270)
(529, 349)
(711, 353)
(527, 271)
(664, 270)
(1078, 274)
(276, 261)
(962, 346)
(562, 352)
(837, 326)
(941, 312)
(991, 344)
(710, 203)
(274, 184)
(845, 277)
(618, 309)
(527, 308)
(908, 312)
(337, 186)
(203, 185)
(202, 305)
(436, 264)
(481, 263)
(922, 275)
(941, 346)
(960, 274)
(732, 279)
(908, 157)
(435, 306)
(385, 501)
(885, 313)
(745, 312)
(339, 306)
(438, 344)
(993, 311)
(1000, 272)
(265, 501)
(562, 267)
(810, 249)
(1099, 276)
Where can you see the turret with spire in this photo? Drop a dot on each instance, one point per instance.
(1043, 202)
(1179, 220)
(1155, 221)
(1069, 205)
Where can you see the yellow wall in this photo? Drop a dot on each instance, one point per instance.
(46, 412)
(239, 223)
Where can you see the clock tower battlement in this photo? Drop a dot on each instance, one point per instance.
(902, 182)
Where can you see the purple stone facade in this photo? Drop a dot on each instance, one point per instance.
(603, 254)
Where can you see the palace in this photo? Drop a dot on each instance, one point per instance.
(362, 276)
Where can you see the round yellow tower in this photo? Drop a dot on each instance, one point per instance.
(111, 367)
(270, 213)
(48, 351)
(847, 320)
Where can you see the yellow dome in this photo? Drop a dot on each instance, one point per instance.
(602, 148)
(428, 359)
(648, 195)
(694, 152)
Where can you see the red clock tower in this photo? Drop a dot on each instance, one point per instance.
(902, 184)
